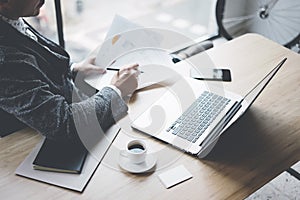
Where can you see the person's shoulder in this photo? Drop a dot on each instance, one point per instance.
(13, 54)
(9, 42)
(6, 49)
(17, 65)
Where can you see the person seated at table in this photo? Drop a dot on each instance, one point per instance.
(37, 85)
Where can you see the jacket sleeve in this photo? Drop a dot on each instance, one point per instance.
(26, 94)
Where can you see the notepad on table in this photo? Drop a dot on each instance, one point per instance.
(57, 156)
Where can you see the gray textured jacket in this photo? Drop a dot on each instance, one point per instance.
(36, 89)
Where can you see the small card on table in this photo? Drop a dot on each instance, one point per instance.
(174, 176)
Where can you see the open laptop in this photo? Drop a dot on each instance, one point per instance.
(197, 129)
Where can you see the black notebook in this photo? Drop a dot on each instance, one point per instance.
(57, 156)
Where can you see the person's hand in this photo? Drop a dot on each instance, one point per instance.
(126, 79)
(88, 66)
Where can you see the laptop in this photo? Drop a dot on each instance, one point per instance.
(196, 129)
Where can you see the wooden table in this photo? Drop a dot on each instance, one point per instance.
(258, 147)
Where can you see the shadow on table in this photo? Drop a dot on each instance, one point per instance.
(243, 151)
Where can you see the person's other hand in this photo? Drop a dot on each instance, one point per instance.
(88, 66)
(126, 79)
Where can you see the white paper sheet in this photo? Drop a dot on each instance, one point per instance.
(155, 66)
(123, 37)
(127, 43)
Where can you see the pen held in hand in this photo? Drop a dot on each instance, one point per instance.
(116, 69)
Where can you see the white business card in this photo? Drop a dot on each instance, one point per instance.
(174, 176)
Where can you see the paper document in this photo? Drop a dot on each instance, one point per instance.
(154, 66)
(128, 43)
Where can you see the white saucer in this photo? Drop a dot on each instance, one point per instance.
(148, 164)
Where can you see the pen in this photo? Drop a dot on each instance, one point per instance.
(112, 69)
(116, 69)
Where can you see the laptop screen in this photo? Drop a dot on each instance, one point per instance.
(253, 94)
(247, 101)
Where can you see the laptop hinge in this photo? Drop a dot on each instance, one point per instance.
(223, 122)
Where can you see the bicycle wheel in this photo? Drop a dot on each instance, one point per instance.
(278, 20)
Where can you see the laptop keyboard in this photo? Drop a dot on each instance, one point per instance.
(197, 118)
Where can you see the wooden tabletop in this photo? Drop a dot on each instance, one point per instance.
(255, 149)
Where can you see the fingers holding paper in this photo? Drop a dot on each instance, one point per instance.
(88, 66)
(126, 79)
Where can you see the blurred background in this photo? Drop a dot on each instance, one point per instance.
(86, 22)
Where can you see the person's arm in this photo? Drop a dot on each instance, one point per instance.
(26, 94)
(124, 82)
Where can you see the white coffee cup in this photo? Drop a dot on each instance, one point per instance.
(135, 151)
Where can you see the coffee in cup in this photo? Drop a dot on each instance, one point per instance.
(135, 151)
